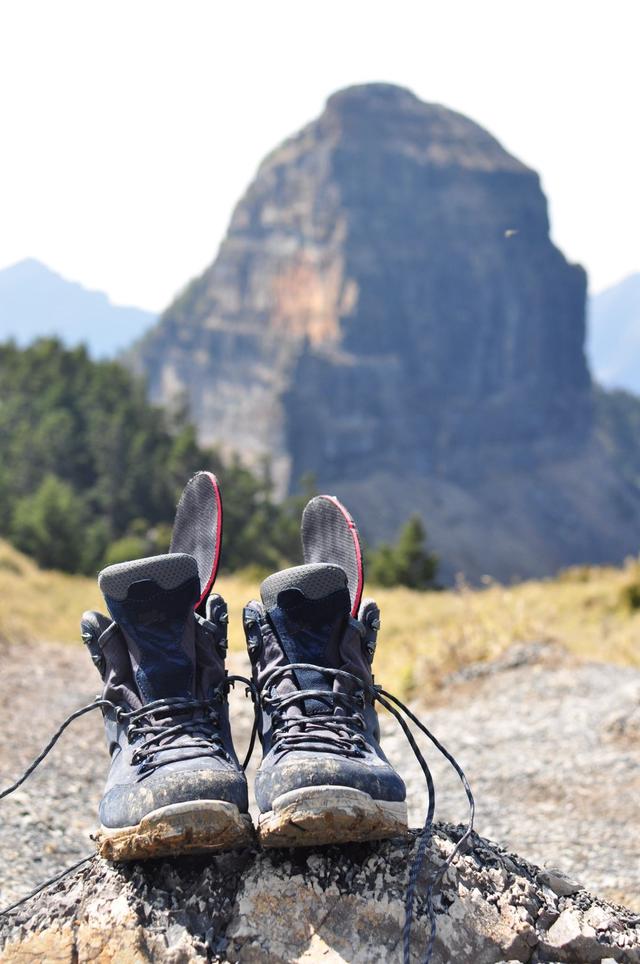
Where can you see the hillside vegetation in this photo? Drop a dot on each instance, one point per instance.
(593, 612)
(91, 473)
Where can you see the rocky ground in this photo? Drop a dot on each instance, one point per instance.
(329, 904)
(551, 747)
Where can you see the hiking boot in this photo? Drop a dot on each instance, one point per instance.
(175, 785)
(323, 778)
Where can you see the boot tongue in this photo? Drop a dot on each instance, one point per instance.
(308, 607)
(152, 601)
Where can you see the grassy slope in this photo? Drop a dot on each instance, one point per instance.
(424, 635)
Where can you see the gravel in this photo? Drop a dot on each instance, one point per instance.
(550, 746)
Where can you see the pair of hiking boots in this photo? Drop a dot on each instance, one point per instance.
(175, 785)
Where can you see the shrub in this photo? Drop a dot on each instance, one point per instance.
(125, 549)
(408, 562)
(48, 525)
(630, 596)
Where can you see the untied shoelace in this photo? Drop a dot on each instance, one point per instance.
(340, 733)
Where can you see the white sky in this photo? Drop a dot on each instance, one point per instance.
(131, 127)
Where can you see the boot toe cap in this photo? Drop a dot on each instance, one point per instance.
(124, 805)
(297, 770)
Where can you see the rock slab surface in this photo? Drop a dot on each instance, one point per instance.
(330, 904)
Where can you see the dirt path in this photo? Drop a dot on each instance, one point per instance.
(552, 749)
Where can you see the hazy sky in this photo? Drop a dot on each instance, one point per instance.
(131, 127)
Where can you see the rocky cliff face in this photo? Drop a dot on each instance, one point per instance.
(388, 304)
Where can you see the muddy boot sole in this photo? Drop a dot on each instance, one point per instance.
(312, 816)
(195, 827)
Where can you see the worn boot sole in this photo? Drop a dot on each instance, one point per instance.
(312, 816)
(198, 826)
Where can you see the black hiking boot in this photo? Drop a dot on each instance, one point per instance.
(323, 778)
(175, 785)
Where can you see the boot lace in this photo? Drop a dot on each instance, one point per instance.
(341, 734)
(151, 723)
(154, 730)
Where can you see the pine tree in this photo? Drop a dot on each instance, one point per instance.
(408, 562)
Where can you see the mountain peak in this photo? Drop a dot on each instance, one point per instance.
(388, 117)
(372, 96)
(389, 313)
(25, 267)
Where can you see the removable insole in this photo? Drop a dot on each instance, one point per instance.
(197, 530)
(330, 535)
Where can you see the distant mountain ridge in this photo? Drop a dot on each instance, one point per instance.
(613, 342)
(36, 301)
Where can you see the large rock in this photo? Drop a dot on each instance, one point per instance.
(388, 304)
(330, 904)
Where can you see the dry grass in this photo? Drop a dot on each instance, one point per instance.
(426, 636)
(593, 611)
(36, 605)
